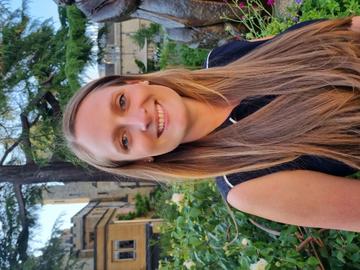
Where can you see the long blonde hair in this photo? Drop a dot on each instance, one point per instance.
(315, 73)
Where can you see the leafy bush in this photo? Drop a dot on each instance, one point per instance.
(198, 233)
(146, 33)
(142, 207)
(140, 65)
(173, 54)
(260, 23)
(310, 10)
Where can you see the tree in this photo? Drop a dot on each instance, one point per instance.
(16, 223)
(32, 80)
(54, 256)
(39, 71)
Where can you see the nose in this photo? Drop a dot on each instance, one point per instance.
(139, 118)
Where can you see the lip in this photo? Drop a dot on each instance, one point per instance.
(157, 119)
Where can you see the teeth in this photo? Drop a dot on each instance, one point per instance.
(161, 118)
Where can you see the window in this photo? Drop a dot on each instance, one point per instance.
(92, 236)
(126, 255)
(124, 244)
(124, 250)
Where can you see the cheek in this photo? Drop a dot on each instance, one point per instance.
(143, 144)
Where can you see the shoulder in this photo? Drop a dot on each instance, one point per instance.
(306, 162)
(230, 52)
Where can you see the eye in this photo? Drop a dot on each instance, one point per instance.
(125, 141)
(122, 102)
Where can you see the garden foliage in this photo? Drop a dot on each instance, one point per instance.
(142, 208)
(198, 233)
(261, 23)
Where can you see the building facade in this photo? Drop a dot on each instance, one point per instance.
(82, 192)
(121, 50)
(109, 243)
(126, 244)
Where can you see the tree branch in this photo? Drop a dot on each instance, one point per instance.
(54, 103)
(9, 150)
(16, 143)
(47, 82)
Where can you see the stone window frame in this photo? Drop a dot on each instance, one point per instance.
(129, 248)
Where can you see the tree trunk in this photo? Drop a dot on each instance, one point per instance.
(57, 172)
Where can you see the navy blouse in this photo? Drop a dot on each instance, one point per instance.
(230, 52)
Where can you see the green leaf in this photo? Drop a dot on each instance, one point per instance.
(194, 241)
(312, 261)
(194, 212)
(340, 256)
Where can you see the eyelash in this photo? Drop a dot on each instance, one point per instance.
(124, 138)
(121, 100)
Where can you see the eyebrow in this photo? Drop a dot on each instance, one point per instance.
(116, 143)
(114, 136)
(113, 101)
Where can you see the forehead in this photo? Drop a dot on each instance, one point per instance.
(98, 95)
(93, 121)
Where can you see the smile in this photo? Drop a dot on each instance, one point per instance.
(161, 123)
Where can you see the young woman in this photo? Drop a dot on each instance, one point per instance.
(278, 126)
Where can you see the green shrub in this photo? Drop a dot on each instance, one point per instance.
(260, 23)
(142, 207)
(199, 231)
(128, 216)
(173, 54)
(148, 33)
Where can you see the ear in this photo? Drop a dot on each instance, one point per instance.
(144, 82)
(146, 160)
(136, 81)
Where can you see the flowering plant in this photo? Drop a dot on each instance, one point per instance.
(200, 235)
(270, 19)
(252, 14)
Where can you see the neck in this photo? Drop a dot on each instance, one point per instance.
(204, 118)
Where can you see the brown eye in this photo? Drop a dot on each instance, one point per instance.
(125, 141)
(122, 102)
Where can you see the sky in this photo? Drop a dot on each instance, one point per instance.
(44, 9)
(47, 217)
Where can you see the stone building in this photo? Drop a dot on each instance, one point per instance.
(83, 192)
(126, 244)
(104, 242)
(121, 50)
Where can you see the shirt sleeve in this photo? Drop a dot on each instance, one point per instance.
(306, 162)
(233, 50)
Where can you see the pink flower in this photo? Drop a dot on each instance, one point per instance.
(241, 5)
(270, 2)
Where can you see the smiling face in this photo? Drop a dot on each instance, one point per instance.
(132, 122)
